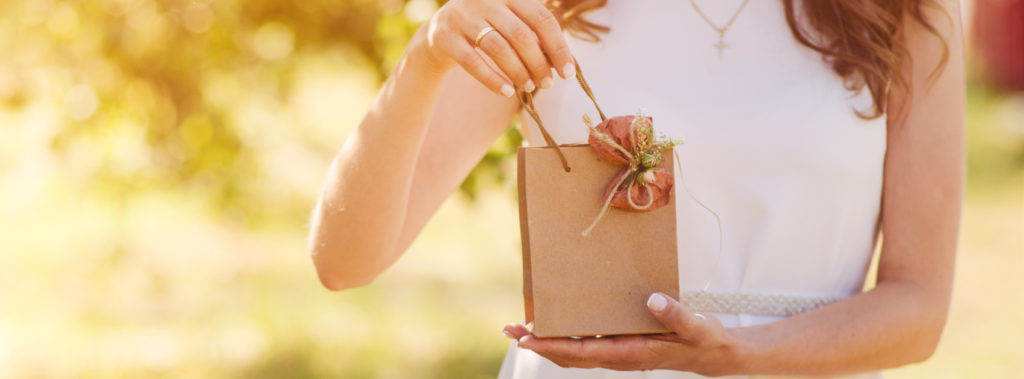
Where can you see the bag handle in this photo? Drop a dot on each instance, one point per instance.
(526, 100)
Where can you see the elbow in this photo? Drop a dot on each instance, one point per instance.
(337, 276)
(932, 322)
(336, 280)
(345, 264)
(335, 283)
(924, 314)
(928, 341)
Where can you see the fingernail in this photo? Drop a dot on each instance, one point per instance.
(529, 86)
(657, 303)
(569, 71)
(546, 83)
(507, 90)
(508, 335)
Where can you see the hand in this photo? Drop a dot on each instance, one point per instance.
(698, 343)
(526, 44)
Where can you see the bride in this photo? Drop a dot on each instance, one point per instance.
(812, 128)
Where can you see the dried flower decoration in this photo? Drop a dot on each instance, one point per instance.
(629, 141)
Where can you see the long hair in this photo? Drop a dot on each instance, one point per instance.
(862, 40)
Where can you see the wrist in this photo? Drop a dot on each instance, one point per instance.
(424, 56)
(745, 352)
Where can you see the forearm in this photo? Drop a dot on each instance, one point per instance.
(895, 323)
(358, 219)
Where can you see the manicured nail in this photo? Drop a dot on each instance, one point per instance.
(529, 86)
(546, 83)
(569, 71)
(507, 90)
(657, 303)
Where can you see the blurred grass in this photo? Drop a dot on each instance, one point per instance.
(165, 290)
(152, 210)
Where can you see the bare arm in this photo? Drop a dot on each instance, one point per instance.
(429, 125)
(901, 319)
(389, 177)
(896, 323)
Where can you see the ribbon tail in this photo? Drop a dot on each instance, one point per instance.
(604, 208)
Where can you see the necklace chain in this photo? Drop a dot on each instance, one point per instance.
(721, 30)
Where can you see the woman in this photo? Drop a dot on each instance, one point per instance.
(809, 126)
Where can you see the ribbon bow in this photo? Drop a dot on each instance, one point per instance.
(629, 141)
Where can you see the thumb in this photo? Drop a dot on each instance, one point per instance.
(688, 325)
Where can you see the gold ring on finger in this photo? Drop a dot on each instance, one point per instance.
(483, 32)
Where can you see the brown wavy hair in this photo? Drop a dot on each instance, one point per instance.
(862, 40)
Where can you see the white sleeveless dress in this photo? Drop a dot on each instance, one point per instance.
(772, 144)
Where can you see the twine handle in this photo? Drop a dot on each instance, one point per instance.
(526, 100)
(586, 88)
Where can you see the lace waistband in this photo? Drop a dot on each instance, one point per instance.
(752, 303)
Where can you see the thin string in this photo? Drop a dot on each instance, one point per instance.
(526, 99)
(586, 88)
(718, 220)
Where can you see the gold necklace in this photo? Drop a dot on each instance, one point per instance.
(721, 30)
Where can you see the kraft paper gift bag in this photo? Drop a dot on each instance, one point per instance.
(598, 283)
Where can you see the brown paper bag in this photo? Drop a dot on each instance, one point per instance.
(597, 284)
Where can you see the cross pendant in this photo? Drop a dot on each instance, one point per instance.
(721, 46)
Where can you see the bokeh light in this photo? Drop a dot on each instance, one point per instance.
(159, 159)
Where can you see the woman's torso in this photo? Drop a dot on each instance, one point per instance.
(772, 144)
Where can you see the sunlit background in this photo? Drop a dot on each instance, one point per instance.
(158, 160)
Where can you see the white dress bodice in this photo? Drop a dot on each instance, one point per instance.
(772, 144)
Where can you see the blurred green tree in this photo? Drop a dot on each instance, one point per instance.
(175, 72)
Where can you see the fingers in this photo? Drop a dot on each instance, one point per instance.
(502, 54)
(526, 45)
(565, 352)
(552, 41)
(697, 329)
(474, 64)
(515, 331)
(447, 37)
(520, 52)
(617, 353)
